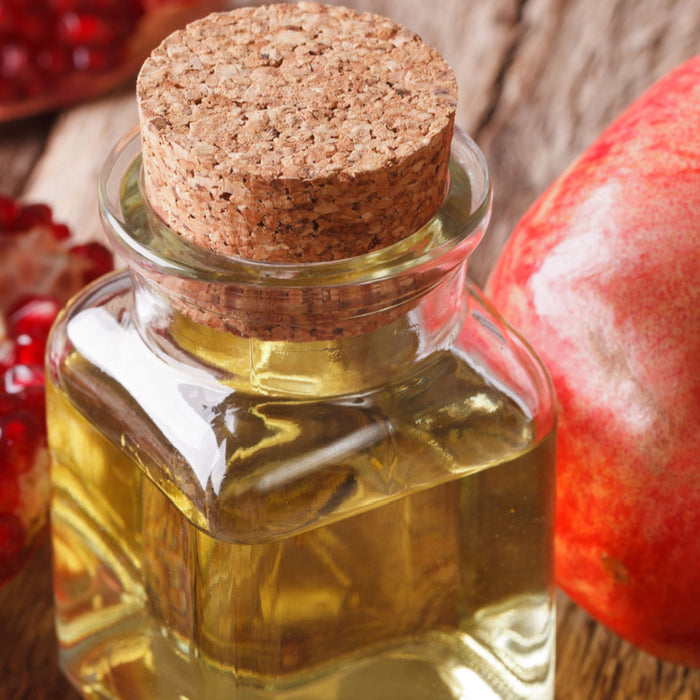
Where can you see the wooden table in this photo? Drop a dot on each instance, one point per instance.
(538, 81)
(592, 663)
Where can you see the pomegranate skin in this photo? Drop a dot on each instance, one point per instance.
(602, 275)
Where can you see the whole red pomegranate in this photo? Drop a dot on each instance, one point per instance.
(602, 275)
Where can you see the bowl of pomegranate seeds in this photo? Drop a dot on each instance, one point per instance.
(57, 52)
(40, 269)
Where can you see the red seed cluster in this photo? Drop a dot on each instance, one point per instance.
(24, 329)
(45, 42)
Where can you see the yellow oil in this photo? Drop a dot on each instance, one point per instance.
(391, 544)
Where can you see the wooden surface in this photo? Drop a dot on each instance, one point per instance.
(538, 80)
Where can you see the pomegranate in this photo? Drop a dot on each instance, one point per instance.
(49, 40)
(53, 52)
(39, 271)
(602, 275)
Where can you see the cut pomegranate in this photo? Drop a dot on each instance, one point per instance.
(33, 316)
(35, 257)
(43, 37)
(28, 350)
(39, 271)
(54, 52)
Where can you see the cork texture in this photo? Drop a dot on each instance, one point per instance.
(298, 314)
(295, 133)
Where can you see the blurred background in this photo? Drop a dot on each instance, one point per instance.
(538, 79)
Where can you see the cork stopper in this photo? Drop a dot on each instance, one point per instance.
(295, 132)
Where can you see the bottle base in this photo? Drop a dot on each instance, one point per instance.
(137, 662)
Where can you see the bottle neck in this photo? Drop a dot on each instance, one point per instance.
(301, 352)
(365, 316)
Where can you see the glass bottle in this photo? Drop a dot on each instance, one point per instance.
(320, 481)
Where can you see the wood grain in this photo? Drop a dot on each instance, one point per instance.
(539, 79)
(66, 174)
(595, 664)
(28, 660)
(21, 144)
(574, 65)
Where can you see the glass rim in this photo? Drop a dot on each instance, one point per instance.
(450, 232)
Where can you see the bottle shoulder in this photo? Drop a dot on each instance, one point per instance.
(506, 360)
(229, 452)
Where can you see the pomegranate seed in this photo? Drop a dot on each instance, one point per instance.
(52, 60)
(60, 232)
(46, 46)
(9, 210)
(26, 324)
(61, 6)
(15, 61)
(12, 539)
(9, 493)
(94, 60)
(107, 7)
(32, 315)
(77, 29)
(20, 435)
(7, 20)
(21, 377)
(97, 255)
(32, 215)
(33, 400)
(33, 25)
(8, 403)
